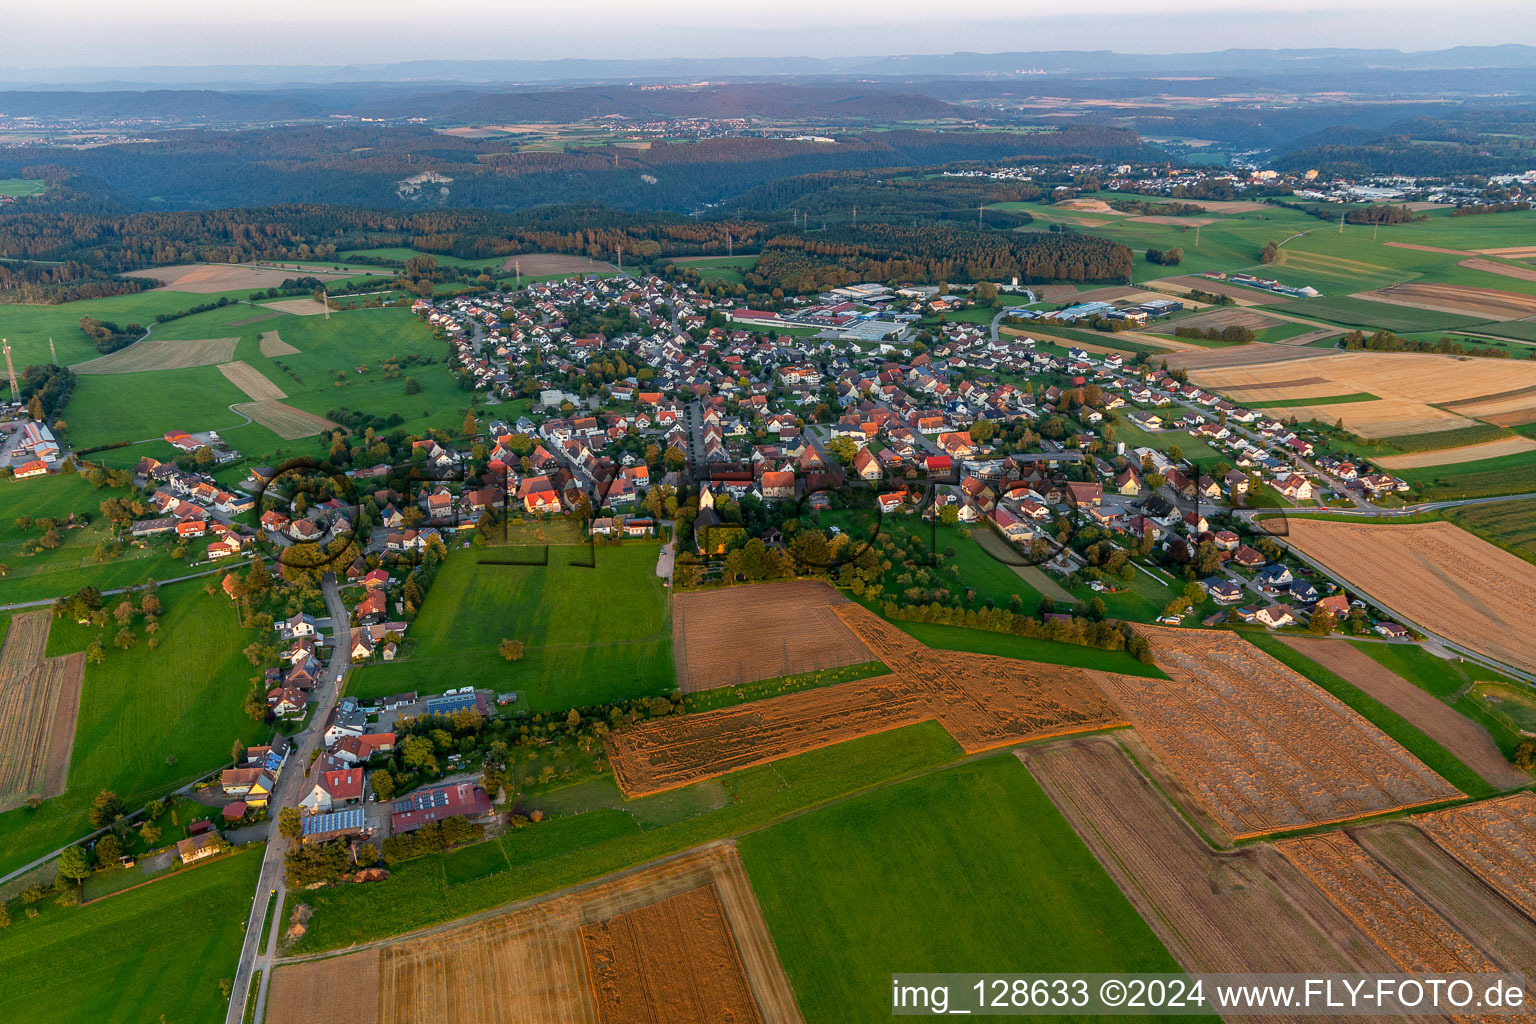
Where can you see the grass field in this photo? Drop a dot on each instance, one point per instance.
(22, 187)
(1441, 761)
(893, 887)
(1509, 474)
(591, 634)
(71, 565)
(1521, 330)
(1509, 524)
(153, 954)
(149, 720)
(565, 850)
(1370, 316)
(1287, 403)
(721, 268)
(400, 254)
(1450, 681)
(1006, 645)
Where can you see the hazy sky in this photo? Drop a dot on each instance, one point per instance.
(111, 33)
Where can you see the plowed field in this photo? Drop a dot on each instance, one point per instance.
(982, 700)
(680, 941)
(741, 634)
(1437, 576)
(39, 698)
(1260, 747)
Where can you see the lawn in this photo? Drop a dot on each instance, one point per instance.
(149, 720)
(1439, 760)
(153, 954)
(563, 851)
(1007, 645)
(969, 869)
(70, 566)
(591, 635)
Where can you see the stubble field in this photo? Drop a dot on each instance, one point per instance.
(162, 354)
(1487, 303)
(252, 381)
(210, 278)
(741, 634)
(39, 699)
(1259, 746)
(1436, 575)
(983, 701)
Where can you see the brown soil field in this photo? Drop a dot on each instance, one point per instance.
(1410, 386)
(529, 964)
(152, 354)
(1054, 292)
(1245, 910)
(741, 634)
(1240, 355)
(1466, 739)
(1518, 418)
(206, 278)
(1116, 293)
(272, 344)
(39, 699)
(1452, 456)
(258, 318)
(1259, 746)
(1219, 317)
(540, 264)
(1401, 922)
(1304, 340)
(324, 991)
(1513, 252)
(284, 420)
(1496, 840)
(1184, 282)
(983, 701)
(669, 961)
(1437, 576)
(252, 381)
(1193, 222)
(1480, 913)
(298, 307)
(1427, 248)
(1502, 269)
(1456, 298)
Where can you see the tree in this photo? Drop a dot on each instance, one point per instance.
(105, 809)
(949, 515)
(842, 449)
(1270, 253)
(383, 783)
(290, 823)
(412, 386)
(1321, 623)
(75, 863)
(675, 458)
(1525, 755)
(471, 428)
(108, 849)
(512, 650)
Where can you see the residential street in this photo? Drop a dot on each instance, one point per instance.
(270, 885)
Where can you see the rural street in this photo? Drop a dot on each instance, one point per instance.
(270, 884)
(45, 602)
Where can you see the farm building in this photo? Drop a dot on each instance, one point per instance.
(463, 800)
(319, 828)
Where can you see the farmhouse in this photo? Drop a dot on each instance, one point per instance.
(196, 848)
(462, 800)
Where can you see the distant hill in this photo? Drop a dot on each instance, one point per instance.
(186, 104)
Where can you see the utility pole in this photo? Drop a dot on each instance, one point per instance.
(979, 208)
(855, 214)
(1375, 230)
(619, 249)
(1341, 223)
(728, 251)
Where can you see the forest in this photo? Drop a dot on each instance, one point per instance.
(933, 252)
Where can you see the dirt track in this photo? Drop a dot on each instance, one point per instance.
(1466, 739)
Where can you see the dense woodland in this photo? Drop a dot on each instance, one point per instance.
(62, 282)
(888, 252)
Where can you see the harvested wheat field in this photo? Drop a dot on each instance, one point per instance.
(1453, 456)
(1496, 840)
(1261, 748)
(1481, 914)
(1502, 269)
(741, 634)
(298, 307)
(1489, 303)
(1510, 252)
(1435, 575)
(325, 991)
(252, 381)
(39, 699)
(681, 940)
(543, 264)
(1243, 355)
(1245, 910)
(983, 701)
(1401, 922)
(284, 420)
(207, 278)
(272, 344)
(1410, 386)
(1150, 340)
(161, 355)
(1466, 739)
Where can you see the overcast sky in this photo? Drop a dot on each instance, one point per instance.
(111, 33)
